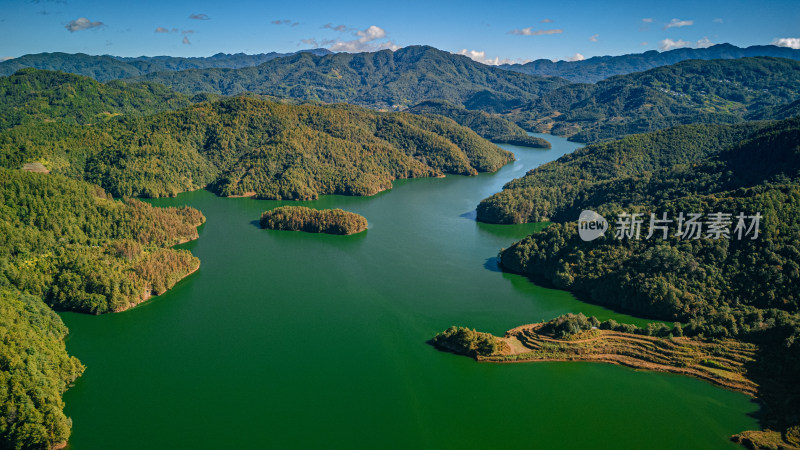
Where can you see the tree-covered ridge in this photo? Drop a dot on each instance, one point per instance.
(301, 218)
(598, 68)
(248, 146)
(105, 67)
(487, 125)
(387, 79)
(559, 190)
(34, 96)
(72, 245)
(721, 288)
(717, 91)
(35, 370)
(524, 141)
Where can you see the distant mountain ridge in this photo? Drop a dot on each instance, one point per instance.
(108, 67)
(383, 79)
(599, 68)
(692, 91)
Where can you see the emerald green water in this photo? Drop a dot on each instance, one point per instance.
(292, 340)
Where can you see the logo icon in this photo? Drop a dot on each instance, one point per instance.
(591, 225)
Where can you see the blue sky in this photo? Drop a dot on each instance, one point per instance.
(490, 31)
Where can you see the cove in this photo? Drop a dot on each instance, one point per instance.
(295, 340)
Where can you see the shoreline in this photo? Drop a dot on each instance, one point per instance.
(147, 295)
(722, 363)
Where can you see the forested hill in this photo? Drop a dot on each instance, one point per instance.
(31, 96)
(248, 146)
(557, 191)
(106, 67)
(490, 126)
(599, 68)
(380, 79)
(717, 91)
(744, 288)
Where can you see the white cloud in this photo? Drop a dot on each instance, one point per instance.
(717, 20)
(82, 23)
(310, 41)
(576, 57)
(677, 23)
(547, 20)
(370, 34)
(366, 41)
(199, 17)
(647, 20)
(787, 42)
(594, 38)
(388, 45)
(6, 58)
(530, 32)
(186, 40)
(669, 44)
(481, 57)
(704, 43)
(643, 44)
(162, 30)
(285, 22)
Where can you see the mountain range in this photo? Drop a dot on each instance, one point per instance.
(108, 67)
(598, 68)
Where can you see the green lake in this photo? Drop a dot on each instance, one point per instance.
(293, 340)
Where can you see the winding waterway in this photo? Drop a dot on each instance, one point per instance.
(292, 340)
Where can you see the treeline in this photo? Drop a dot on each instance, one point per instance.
(249, 146)
(468, 342)
(741, 288)
(68, 245)
(301, 218)
(689, 92)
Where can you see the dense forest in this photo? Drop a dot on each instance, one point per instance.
(717, 91)
(107, 67)
(33, 96)
(301, 218)
(742, 287)
(592, 70)
(68, 245)
(73, 238)
(559, 190)
(489, 126)
(383, 79)
(249, 146)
